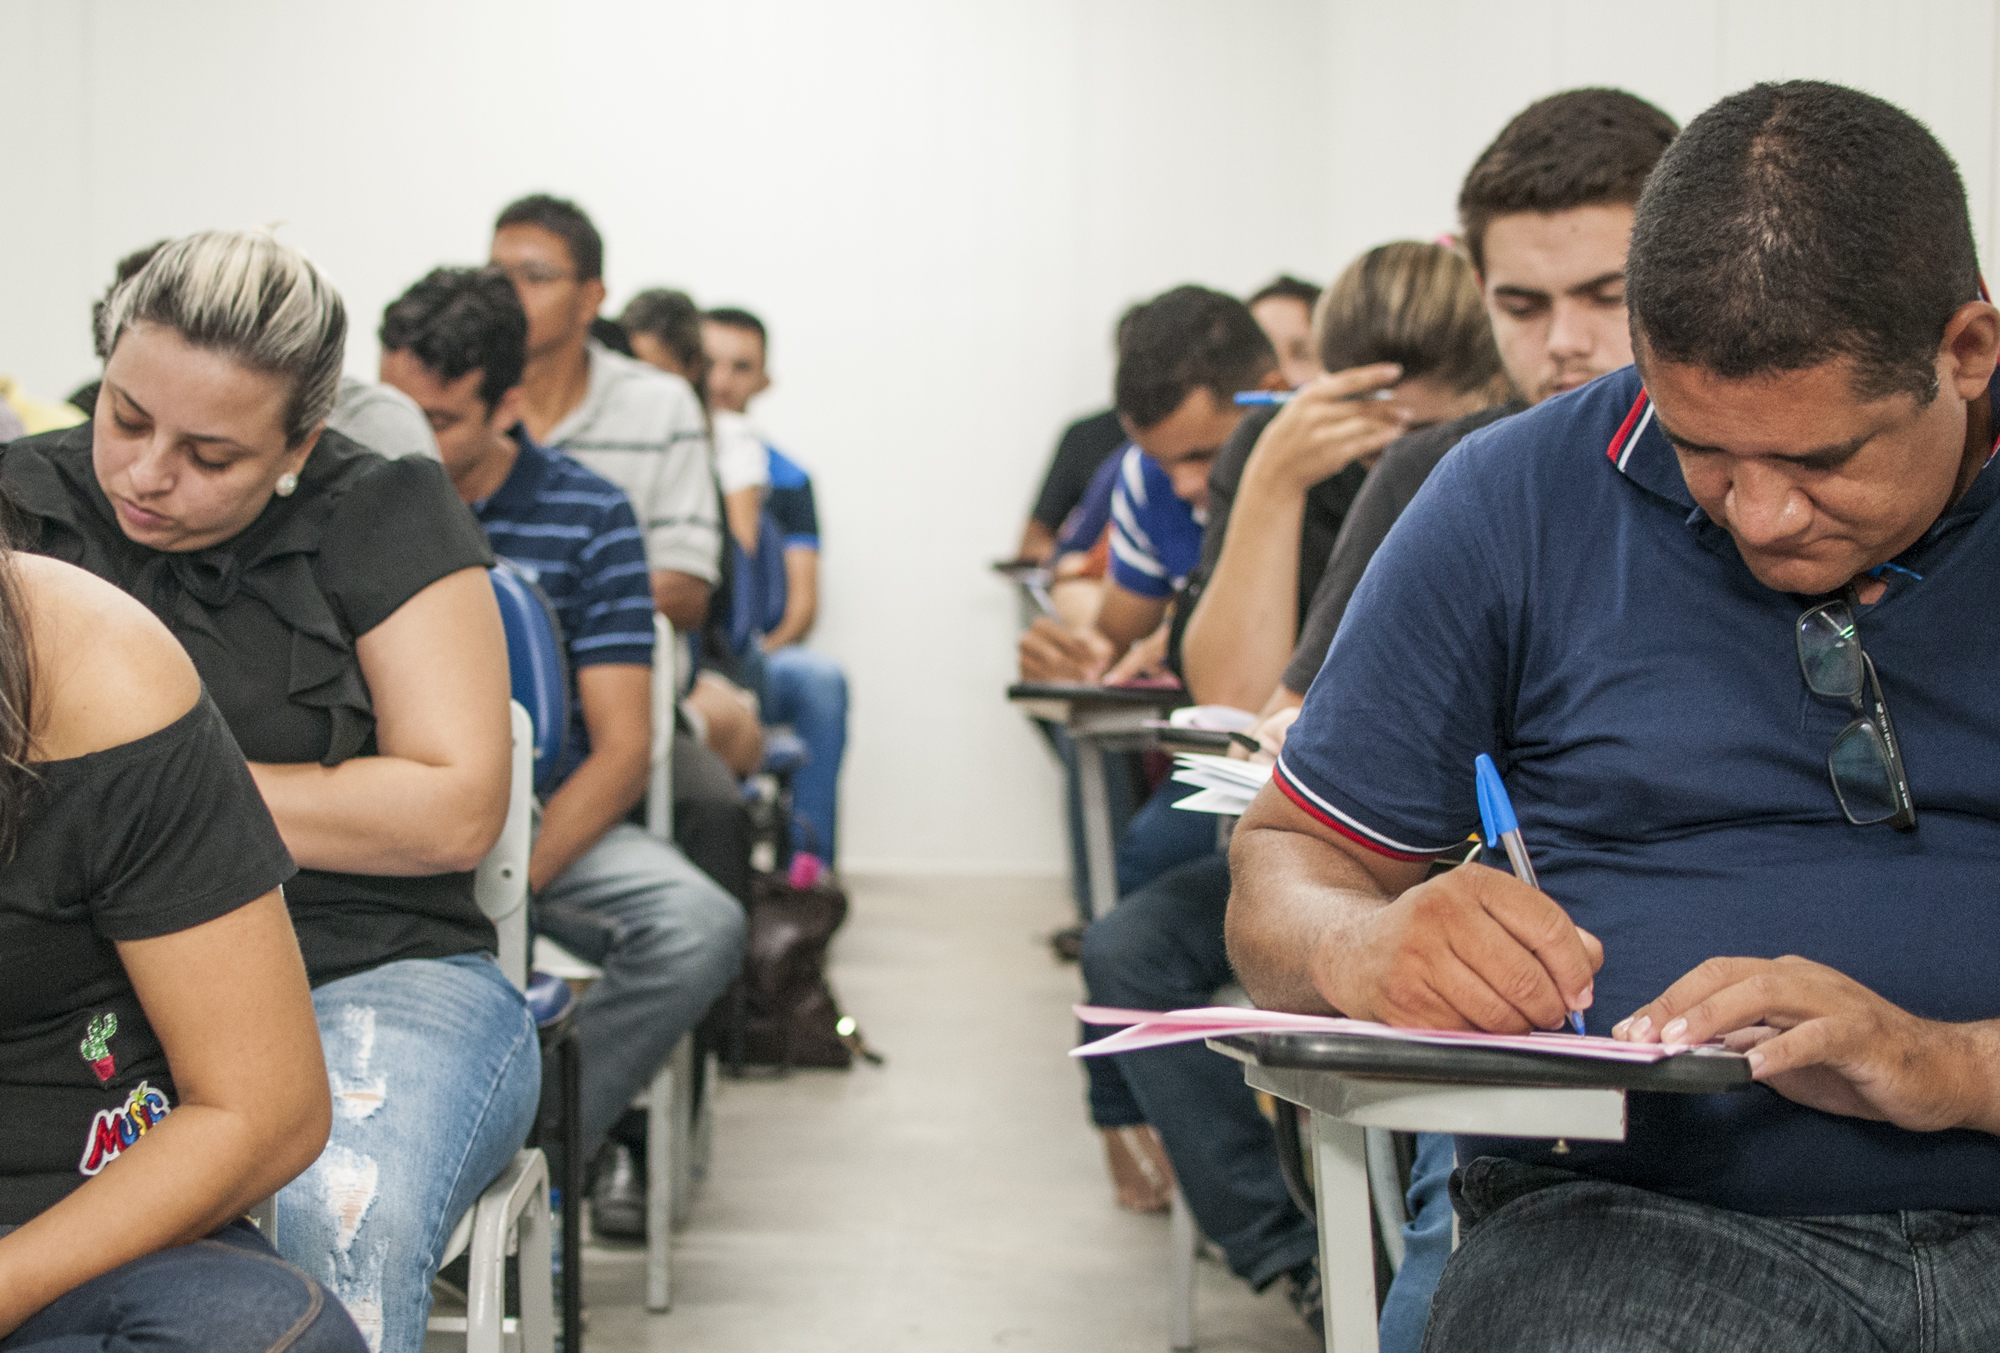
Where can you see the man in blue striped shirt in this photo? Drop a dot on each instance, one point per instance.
(667, 936)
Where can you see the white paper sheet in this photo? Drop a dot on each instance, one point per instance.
(1227, 785)
(1215, 718)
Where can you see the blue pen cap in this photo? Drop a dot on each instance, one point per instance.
(1496, 810)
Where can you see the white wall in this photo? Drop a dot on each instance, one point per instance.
(939, 207)
(1398, 159)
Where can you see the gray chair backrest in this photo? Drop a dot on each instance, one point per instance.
(501, 883)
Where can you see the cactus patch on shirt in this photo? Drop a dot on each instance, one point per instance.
(96, 1046)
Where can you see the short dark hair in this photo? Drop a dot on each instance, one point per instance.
(1288, 287)
(457, 320)
(612, 335)
(1185, 340)
(1582, 148)
(568, 223)
(670, 316)
(736, 318)
(1794, 224)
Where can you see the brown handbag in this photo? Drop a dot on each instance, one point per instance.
(788, 1014)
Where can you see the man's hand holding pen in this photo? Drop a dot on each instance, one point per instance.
(1052, 651)
(1471, 949)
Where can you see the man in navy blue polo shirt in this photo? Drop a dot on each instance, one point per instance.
(1678, 615)
(667, 936)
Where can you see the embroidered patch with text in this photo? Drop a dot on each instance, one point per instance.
(114, 1130)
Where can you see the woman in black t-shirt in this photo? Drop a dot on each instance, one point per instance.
(145, 1110)
(337, 607)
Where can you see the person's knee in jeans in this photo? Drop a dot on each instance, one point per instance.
(714, 931)
(1161, 838)
(415, 1136)
(251, 1301)
(1142, 955)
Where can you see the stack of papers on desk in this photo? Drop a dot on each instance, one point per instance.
(1158, 1028)
(1226, 785)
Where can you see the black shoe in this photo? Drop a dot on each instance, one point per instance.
(1302, 1290)
(618, 1200)
(1068, 943)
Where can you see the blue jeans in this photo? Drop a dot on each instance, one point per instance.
(669, 940)
(436, 1072)
(229, 1293)
(1426, 1246)
(1554, 1262)
(1160, 837)
(1162, 949)
(809, 691)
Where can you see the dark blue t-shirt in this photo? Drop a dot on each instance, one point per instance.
(1554, 597)
(1087, 520)
(789, 501)
(573, 534)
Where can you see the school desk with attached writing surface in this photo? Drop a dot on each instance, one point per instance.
(1351, 1084)
(1099, 719)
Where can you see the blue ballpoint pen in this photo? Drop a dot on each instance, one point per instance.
(1496, 815)
(1249, 399)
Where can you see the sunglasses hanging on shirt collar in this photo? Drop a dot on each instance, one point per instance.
(1864, 763)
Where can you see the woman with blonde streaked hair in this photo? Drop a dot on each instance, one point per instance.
(1406, 343)
(337, 606)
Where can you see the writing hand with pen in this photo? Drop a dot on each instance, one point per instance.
(1050, 650)
(1318, 921)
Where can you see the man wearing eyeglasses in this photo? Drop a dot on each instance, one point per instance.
(640, 428)
(1677, 606)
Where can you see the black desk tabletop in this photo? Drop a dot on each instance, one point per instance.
(1698, 1073)
(1083, 693)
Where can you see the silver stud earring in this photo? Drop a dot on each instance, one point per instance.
(288, 484)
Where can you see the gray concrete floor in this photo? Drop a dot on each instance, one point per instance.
(954, 1199)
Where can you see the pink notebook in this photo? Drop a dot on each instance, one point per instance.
(1159, 1028)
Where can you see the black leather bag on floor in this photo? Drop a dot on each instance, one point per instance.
(788, 1015)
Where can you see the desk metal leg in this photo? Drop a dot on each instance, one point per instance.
(1099, 850)
(569, 1059)
(1346, 1242)
(1181, 1242)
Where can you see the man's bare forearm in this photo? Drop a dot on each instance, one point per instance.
(681, 597)
(1126, 617)
(1240, 635)
(595, 798)
(1974, 1051)
(1294, 904)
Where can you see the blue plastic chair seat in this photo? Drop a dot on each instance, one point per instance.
(549, 999)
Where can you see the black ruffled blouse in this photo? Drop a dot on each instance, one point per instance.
(270, 618)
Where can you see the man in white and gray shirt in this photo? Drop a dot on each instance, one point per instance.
(639, 427)
(643, 430)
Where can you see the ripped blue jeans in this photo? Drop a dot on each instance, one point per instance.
(436, 1073)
